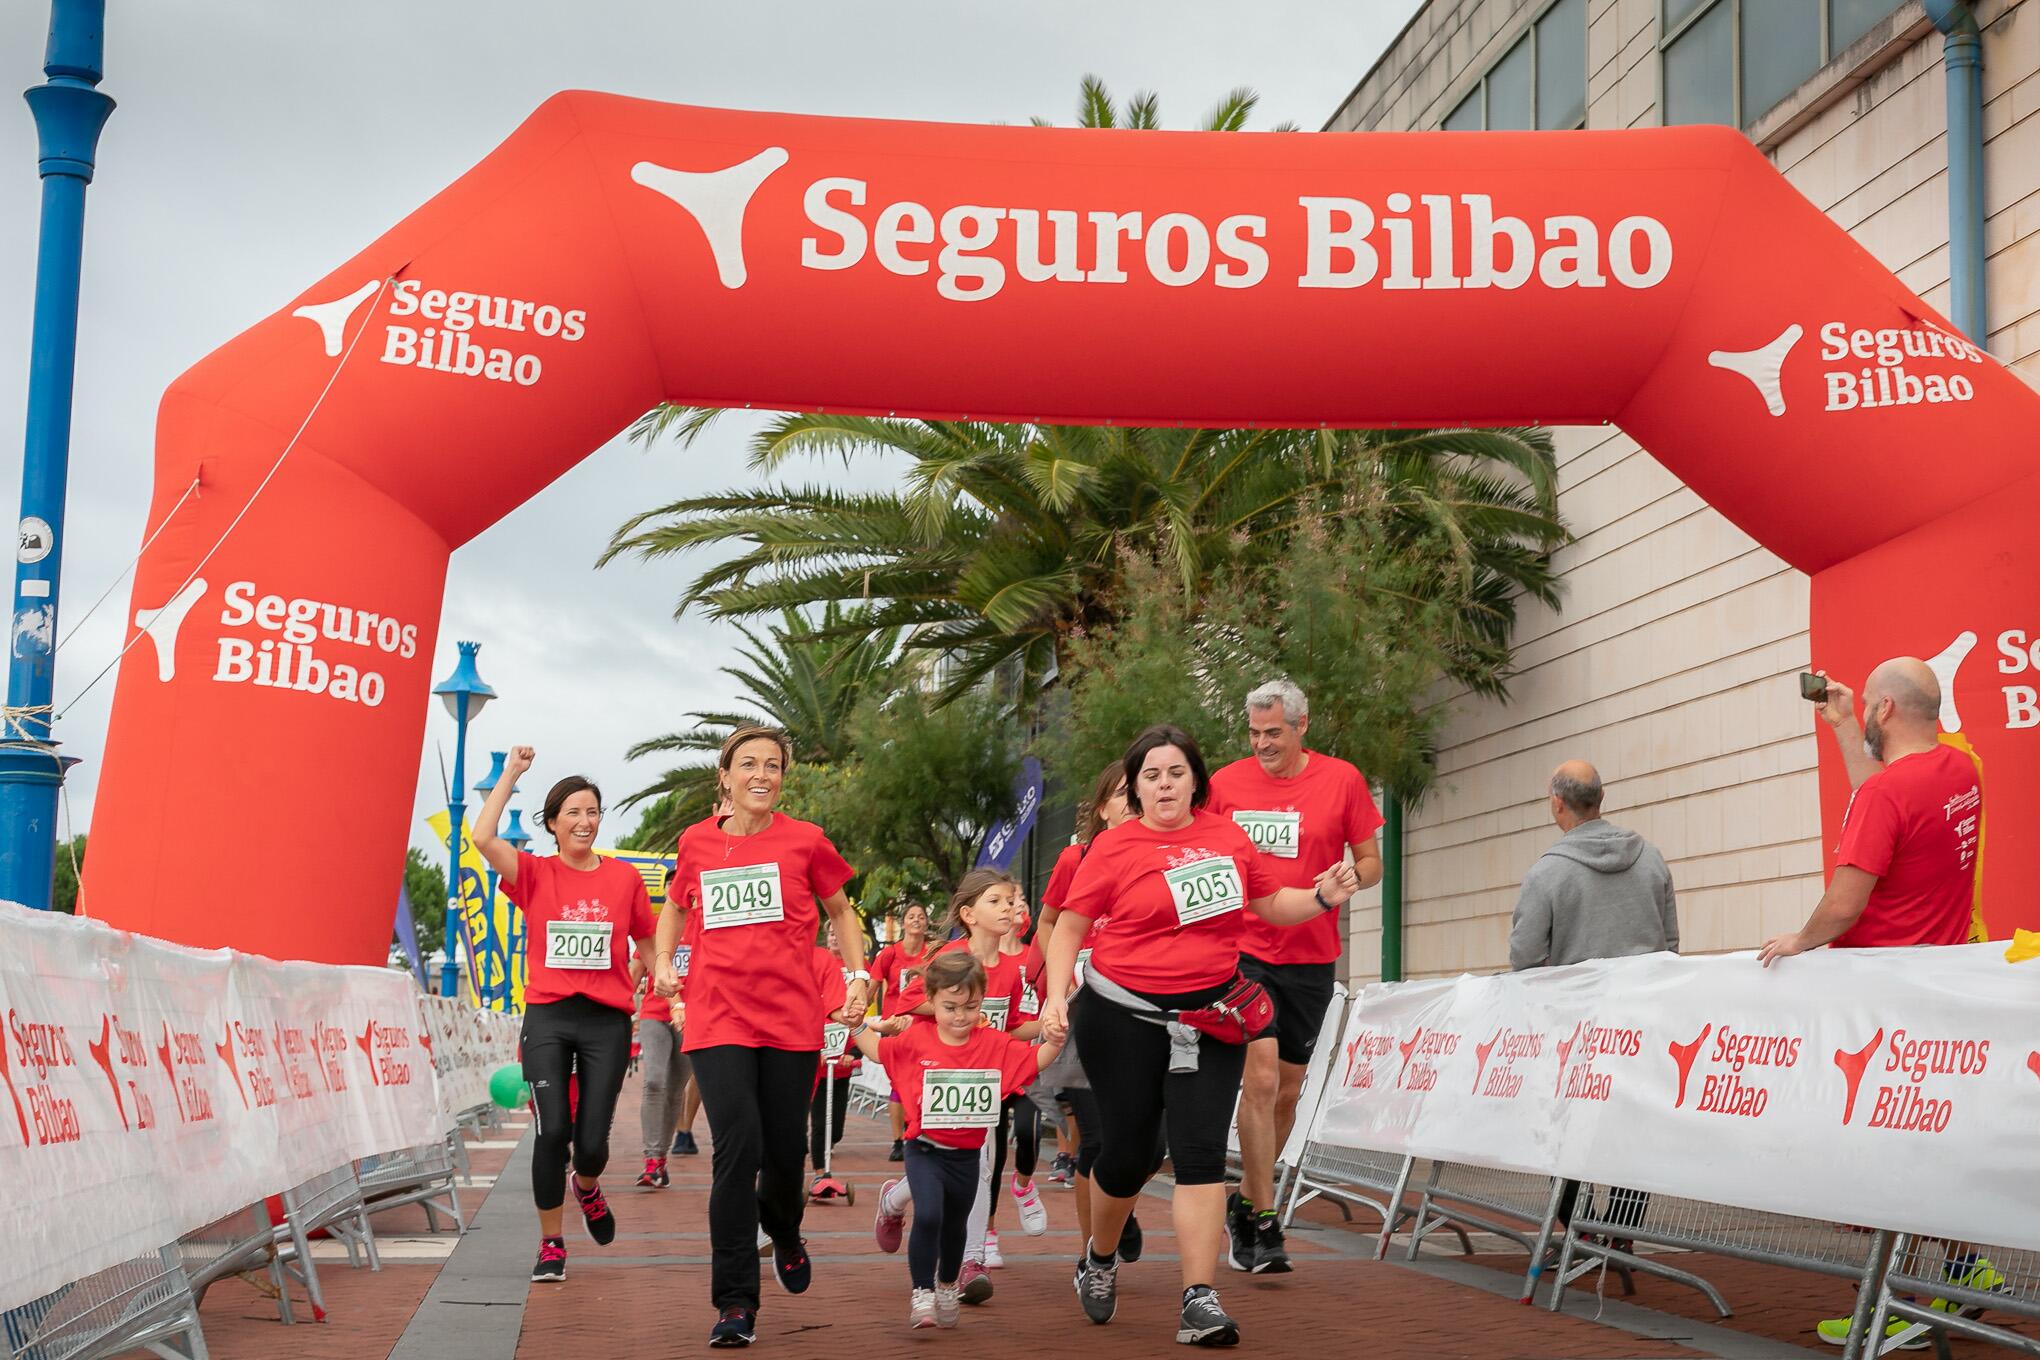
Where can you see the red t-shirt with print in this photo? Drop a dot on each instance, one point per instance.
(1302, 825)
(1005, 989)
(1914, 824)
(752, 915)
(908, 1057)
(1176, 898)
(581, 925)
(893, 961)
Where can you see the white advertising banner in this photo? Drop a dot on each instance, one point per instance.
(1891, 1088)
(151, 1089)
(468, 1045)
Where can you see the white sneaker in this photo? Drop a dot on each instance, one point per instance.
(948, 1305)
(764, 1241)
(993, 1260)
(1033, 1216)
(921, 1309)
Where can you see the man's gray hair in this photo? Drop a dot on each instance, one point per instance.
(1581, 795)
(1279, 691)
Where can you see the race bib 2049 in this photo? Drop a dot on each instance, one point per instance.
(1273, 833)
(578, 944)
(1205, 888)
(747, 895)
(960, 1098)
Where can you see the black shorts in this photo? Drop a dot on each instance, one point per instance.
(1302, 993)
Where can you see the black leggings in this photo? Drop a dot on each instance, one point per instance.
(819, 1116)
(757, 1105)
(1138, 1097)
(944, 1184)
(1084, 1106)
(562, 1038)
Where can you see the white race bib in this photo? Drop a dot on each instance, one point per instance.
(996, 1009)
(681, 956)
(1030, 1004)
(835, 1039)
(1273, 833)
(1205, 888)
(959, 1098)
(747, 895)
(578, 944)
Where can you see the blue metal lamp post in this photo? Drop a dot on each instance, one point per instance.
(69, 114)
(499, 996)
(513, 953)
(464, 693)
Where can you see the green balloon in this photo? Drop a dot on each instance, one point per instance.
(507, 1086)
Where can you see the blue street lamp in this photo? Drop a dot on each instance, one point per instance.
(513, 954)
(496, 996)
(464, 693)
(69, 113)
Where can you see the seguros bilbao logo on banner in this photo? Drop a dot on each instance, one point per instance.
(30, 1053)
(1494, 1072)
(1421, 1054)
(467, 334)
(1580, 1077)
(311, 646)
(1735, 1070)
(1917, 1078)
(974, 251)
(1363, 1051)
(1864, 369)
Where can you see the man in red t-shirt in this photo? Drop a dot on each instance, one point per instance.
(1905, 868)
(1303, 810)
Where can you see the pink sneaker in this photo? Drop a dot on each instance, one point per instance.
(1033, 1216)
(887, 1228)
(974, 1285)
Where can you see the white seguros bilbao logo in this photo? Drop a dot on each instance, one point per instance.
(1868, 369)
(973, 251)
(298, 644)
(453, 330)
(2018, 654)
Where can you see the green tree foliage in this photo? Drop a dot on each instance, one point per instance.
(64, 888)
(425, 889)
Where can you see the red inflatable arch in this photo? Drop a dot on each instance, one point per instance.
(614, 253)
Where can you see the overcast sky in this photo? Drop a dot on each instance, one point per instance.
(259, 142)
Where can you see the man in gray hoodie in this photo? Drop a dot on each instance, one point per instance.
(1600, 893)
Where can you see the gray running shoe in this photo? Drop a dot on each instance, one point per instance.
(1204, 1323)
(1098, 1287)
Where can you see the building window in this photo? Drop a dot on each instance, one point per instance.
(1541, 82)
(1733, 61)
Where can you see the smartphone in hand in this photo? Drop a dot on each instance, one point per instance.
(1813, 688)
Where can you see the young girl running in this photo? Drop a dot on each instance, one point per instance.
(894, 967)
(983, 906)
(582, 912)
(952, 1072)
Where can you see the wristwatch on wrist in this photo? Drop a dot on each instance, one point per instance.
(857, 975)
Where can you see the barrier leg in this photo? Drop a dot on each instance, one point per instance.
(1870, 1289)
(1422, 1227)
(1391, 1219)
(1564, 1277)
(1543, 1242)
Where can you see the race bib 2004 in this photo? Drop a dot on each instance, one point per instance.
(1205, 888)
(578, 944)
(747, 895)
(1273, 833)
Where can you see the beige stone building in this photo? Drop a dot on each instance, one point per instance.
(1672, 663)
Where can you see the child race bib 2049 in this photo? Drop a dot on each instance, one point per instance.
(960, 1098)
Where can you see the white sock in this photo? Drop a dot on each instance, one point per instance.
(896, 1198)
(980, 1209)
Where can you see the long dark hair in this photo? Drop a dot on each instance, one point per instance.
(1109, 780)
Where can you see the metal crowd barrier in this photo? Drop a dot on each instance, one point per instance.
(425, 1175)
(1608, 1223)
(1344, 1177)
(1511, 1204)
(1917, 1289)
(332, 1202)
(869, 1089)
(142, 1304)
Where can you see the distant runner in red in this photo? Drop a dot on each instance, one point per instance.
(831, 1099)
(953, 1071)
(889, 972)
(755, 883)
(1303, 810)
(1177, 883)
(582, 914)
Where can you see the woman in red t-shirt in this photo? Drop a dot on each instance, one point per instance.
(1175, 883)
(889, 971)
(582, 913)
(755, 884)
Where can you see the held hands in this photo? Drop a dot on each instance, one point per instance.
(1055, 1021)
(1841, 702)
(1338, 883)
(665, 978)
(519, 761)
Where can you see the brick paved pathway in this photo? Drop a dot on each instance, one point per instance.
(647, 1293)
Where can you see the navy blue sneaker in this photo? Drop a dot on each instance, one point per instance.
(736, 1327)
(792, 1268)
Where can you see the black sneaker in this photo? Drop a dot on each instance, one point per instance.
(792, 1268)
(595, 1215)
(1241, 1239)
(735, 1327)
(1098, 1286)
(1204, 1323)
(1271, 1253)
(684, 1145)
(899, 1151)
(552, 1261)
(1131, 1240)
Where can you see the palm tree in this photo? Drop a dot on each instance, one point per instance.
(1095, 110)
(804, 676)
